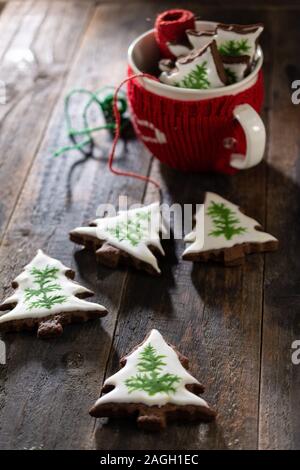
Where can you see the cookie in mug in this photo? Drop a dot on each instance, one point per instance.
(223, 233)
(130, 238)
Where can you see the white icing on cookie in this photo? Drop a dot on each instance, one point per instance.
(138, 228)
(178, 50)
(129, 374)
(222, 228)
(165, 65)
(226, 37)
(197, 70)
(44, 290)
(198, 41)
(238, 71)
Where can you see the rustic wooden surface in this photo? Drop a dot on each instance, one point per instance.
(236, 324)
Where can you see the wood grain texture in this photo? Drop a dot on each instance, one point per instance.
(279, 401)
(61, 379)
(36, 53)
(225, 320)
(209, 312)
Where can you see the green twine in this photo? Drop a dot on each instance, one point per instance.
(105, 106)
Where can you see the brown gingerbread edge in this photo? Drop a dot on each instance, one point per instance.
(240, 28)
(51, 325)
(241, 59)
(155, 418)
(111, 256)
(230, 59)
(216, 56)
(195, 32)
(234, 256)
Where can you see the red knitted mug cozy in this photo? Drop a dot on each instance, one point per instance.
(170, 26)
(192, 135)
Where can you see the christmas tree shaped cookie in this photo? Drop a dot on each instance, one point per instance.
(46, 298)
(153, 386)
(223, 233)
(131, 237)
(200, 69)
(199, 39)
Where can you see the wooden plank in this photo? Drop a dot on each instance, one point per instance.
(32, 83)
(61, 379)
(213, 314)
(280, 379)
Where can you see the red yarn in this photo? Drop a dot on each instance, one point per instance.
(189, 135)
(170, 26)
(117, 134)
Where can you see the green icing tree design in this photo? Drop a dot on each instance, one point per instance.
(231, 76)
(197, 78)
(40, 297)
(133, 229)
(235, 47)
(225, 221)
(149, 379)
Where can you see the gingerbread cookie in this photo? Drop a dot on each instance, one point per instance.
(223, 233)
(194, 40)
(236, 68)
(46, 298)
(201, 69)
(238, 40)
(154, 387)
(199, 39)
(132, 237)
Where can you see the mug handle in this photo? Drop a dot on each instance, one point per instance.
(255, 133)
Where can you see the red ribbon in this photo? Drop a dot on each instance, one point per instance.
(118, 130)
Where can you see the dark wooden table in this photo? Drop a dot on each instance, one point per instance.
(236, 324)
